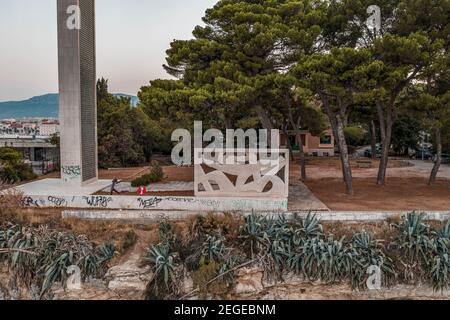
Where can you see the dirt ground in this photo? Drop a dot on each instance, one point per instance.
(398, 194)
(406, 186)
(336, 164)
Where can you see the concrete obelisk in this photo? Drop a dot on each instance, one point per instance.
(77, 91)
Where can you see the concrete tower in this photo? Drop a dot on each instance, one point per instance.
(77, 91)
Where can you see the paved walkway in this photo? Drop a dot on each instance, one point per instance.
(302, 199)
(157, 187)
(55, 187)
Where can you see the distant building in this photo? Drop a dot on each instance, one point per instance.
(28, 128)
(322, 146)
(39, 152)
(48, 128)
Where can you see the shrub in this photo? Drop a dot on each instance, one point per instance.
(281, 246)
(129, 240)
(354, 135)
(40, 257)
(156, 175)
(367, 252)
(25, 172)
(10, 207)
(202, 280)
(12, 168)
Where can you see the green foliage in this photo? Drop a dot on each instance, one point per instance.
(424, 252)
(126, 136)
(354, 135)
(406, 134)
(281, 246)
(254, 233)
(156, 175)
(226, 73)
(213, 249)
(41, 257)
(12, 167)
(9, 155)
(414, 237)
(162, 261)
(367, 252)
(202, 279)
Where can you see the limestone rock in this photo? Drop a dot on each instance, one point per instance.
(250, 280)
(127, 277)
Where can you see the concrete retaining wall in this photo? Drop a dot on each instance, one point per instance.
(158, 215)
(157, 203)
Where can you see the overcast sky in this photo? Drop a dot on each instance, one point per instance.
(132, 37)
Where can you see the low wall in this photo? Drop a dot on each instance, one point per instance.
(157, 203)
(150, 216)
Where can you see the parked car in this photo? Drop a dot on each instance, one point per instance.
(426, 154)
(368, 152)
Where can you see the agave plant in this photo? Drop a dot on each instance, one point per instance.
(213, 249)
(230, 263)
(279, 229)
(255, 233)
(162, 261)
(366, 252)
(414, 239)
(95, 262)
(307, 228)
(278, 255)
(440, 265)
(322, 259)
(41, 257)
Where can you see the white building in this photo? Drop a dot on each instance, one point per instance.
(48, 128)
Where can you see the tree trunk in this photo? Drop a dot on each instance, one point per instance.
(386, 145)
(228, 122)
(373, 139)
(338, 132)
(343, 150)
(437, 164)
(386, 123)
(288, 142)
(301, 151)
(301, 154)
(264, 117)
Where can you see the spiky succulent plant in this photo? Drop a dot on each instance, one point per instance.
(162, 262)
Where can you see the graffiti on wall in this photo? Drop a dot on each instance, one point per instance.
(29, 202)
(98, 201)
(71, 171)
(155, 203)
(58, 201)
(149, 203)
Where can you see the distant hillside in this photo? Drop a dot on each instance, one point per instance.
(134, 99)
(45, 106)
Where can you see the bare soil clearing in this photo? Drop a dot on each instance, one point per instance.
(398, 194)
(336, 164)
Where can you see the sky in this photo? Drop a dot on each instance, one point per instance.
(132, 38)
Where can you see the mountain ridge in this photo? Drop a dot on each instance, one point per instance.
(43, 106)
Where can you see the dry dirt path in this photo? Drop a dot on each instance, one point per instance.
(417, 169)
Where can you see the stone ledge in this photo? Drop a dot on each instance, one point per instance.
(158, 215)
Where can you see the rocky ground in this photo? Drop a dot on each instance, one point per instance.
(128, 282)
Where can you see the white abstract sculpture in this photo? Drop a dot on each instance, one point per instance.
(263, 177)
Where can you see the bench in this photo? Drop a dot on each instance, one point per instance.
(364, 164)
